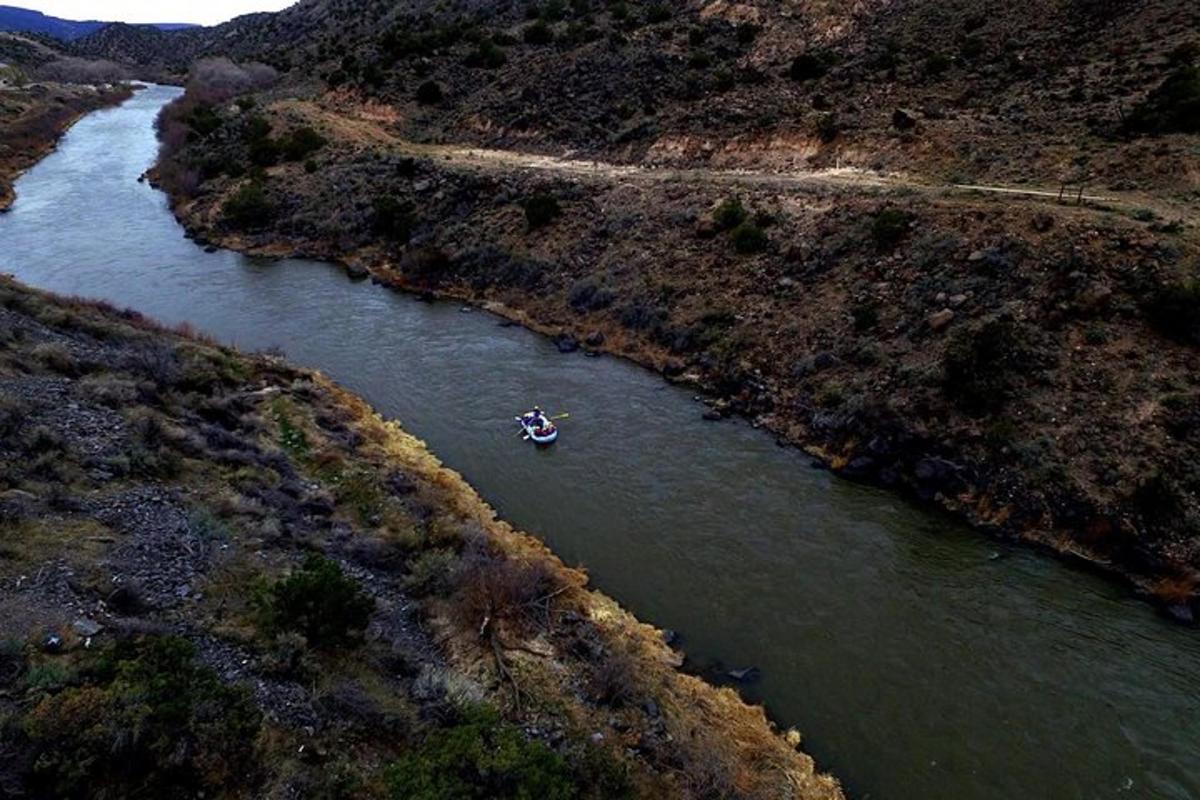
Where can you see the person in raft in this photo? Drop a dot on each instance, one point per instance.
(535, 418)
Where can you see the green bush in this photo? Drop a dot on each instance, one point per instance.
(249, 208)
(394, 219)
(539, 33)
(981, 364)
(487, 56)
(320, 602)
(808, 67)
(145, 721)
(749, 238)
(1174, 107)
(1174, 310)
(541, 210)
(301, 143)
(481, 757)
(730, 214)
(889, 227)
(429, 93)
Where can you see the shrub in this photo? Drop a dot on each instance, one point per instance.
(432, 572)
(808, 67)
(1174, 107)
(730, 214)
(587, 295)
(1174, 310)
(320, 602)
(487, 56)
(301, 143)
(539, 33)
(981, 364)
(249, 207)
(481, 757)
(429, 93)
(541, 210)
(394, 219)
(889, 227)
(749, 238)
(828, 127)
(147, 721)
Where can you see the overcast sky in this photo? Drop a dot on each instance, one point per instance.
(205, 12)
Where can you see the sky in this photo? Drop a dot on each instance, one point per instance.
(204, 12)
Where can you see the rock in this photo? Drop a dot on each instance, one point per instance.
(712, 415)
(860, 467)
(651, 709)
(125, 599)
(594, 339)
(786, 282)
(977, 255)
(957, 300)
(743, 674)
(357, 272)
(1042, 222)
(1095, 297)
(1181, 612)
(566, 343)
(673, 368)
(825, 360)
(212, 248)
(903, 119)
(52, 643)
(939, 319)
(670, 637)
(86, 627)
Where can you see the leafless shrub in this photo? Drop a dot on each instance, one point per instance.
(71, 69)
(493, 591)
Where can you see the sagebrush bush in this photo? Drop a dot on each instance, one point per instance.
(982, 364)
(249, 208)
(481, 757)
(1174, 309)
(889, 227)
(145, 720)
(1173, 107)
(730, 214)
(541, 210)
(429, 93)
(320, 602)
(749, 238)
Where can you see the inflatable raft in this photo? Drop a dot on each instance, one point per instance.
(538, 429)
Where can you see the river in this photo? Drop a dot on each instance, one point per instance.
(918, 658)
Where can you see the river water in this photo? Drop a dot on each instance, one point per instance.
(919, 659)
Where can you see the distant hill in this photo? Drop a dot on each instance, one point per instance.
(29, 21)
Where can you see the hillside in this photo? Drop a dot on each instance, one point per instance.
(228, 576)
(837, 283)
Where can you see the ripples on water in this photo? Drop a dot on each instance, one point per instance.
(916, 665)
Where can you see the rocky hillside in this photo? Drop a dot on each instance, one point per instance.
(1031, 92)
(965, 347)
(227, 576)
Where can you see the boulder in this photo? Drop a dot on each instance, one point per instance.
(938, 320)
(903, 119)
(357, 272)
(566, 343)
(594, 339)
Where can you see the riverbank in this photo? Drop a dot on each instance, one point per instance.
(959, 349)
(161, 488)
(34, 118)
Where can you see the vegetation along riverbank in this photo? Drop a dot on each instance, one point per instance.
(241, 554)
(967, 323)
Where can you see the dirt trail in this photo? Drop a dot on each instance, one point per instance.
(372, 131)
